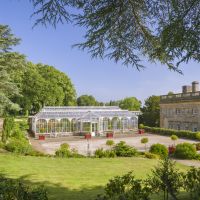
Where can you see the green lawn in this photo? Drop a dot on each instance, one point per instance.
(75, 178)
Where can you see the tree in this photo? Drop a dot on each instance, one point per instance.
(8, 126)
(174, 138)
(151, 112)
(166, 178)
(130, 103)
(126, 187)
(145, 141)
(165, 31)
(43, 85)
(192, 182)
(8, 62)
(86, 100)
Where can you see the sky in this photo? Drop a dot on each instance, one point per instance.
(104, 79)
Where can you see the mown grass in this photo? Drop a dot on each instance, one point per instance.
(74, 178)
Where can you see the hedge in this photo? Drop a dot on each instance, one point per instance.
(169, 132)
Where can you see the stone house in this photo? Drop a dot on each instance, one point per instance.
(181, 111)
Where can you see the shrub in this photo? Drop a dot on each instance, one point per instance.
(145, 141)
(174, 137)
(166, 178)
(198, 136)
(197, 146)
(17, 133)
(100, 153)
(185, 151)
(192, 183)
(110, 154)
(21, 146)
(110, 142)
(65, 152)
(123, 150)
(125, 187)
(8, 126)
(159, 149)
(1, 145)
(64, 146)
(15, 189)
(141, 126)
(151, 155)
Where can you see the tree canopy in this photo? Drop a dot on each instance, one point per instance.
(122, 30)
(151, 112)
(26, 86)
(87, 100)
(130, 103)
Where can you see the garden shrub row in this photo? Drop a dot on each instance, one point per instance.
(121, 149)
(169, 132)
(100, 153)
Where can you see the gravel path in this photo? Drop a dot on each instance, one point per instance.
(51, 145)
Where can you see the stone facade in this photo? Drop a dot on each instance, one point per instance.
(181, 111)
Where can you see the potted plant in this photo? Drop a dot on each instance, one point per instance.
(145, 141)
(109, 135)
(41, 137)
(88, 136)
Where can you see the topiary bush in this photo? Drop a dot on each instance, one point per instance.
(185, 151)
(123, 150)
(159, 149)
(110, 142)
(19, 146)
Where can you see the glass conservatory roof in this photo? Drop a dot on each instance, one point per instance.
(84, 112)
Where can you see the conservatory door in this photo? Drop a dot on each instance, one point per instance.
(94, 129)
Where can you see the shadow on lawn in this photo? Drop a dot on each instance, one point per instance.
(59, 192)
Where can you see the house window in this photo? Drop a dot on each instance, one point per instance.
(178, 111)
(178, 127)
(194, 111)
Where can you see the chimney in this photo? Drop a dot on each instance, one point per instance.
(195, 86)
(186, 89)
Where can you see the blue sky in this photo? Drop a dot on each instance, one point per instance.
(103, 79)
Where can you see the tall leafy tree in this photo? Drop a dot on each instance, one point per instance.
(130, 103)
(151, 111)
(122, 30)
(43, 85)
(8, 62)
(86, 100)
(167, 179)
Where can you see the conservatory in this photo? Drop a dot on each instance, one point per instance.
(97, 120)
